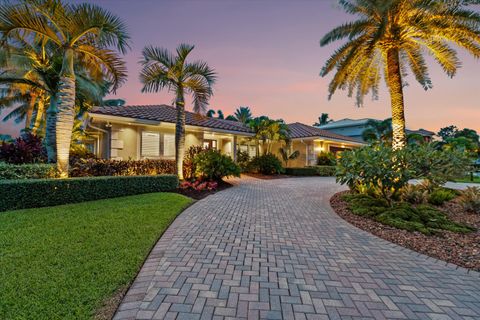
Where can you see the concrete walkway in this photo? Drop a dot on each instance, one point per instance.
(275, 250)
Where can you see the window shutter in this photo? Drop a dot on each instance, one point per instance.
(150, 144)
(169, 145)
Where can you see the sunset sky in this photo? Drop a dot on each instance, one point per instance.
(267, 57)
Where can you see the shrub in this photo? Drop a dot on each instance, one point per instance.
(470, 199)
(189, 167)
(378, 169)
(326, 159)
(267, 164)
(305, 171)
(437, 166)
(104, 167)
(26, 149)
(423, 218)
(414, 194)
(26, 171)
(322, 171)
(243, 160)
(440, 196)
(22, 194)
(212, 165)
(325, 171)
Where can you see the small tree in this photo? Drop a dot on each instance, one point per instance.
(287, 153)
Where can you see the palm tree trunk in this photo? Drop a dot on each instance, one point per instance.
(66, 113)
(29, 113)
(180, 133)
(51, 130)
(39, 115)
(394, 81)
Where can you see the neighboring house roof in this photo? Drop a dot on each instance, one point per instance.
(300, 130)
(165, 113)
(422, 132)
(345, 123)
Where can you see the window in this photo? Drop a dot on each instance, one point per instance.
(156, 144)
(150, 144)
(210, 144)
(169, 145)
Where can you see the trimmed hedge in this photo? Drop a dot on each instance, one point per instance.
(10, 171)
(105, 167)
(22, 194)
(322, 171)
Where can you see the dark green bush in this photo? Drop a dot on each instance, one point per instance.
(267, 164)
(243, 160)
(423, 218)
(212, 165)
(22, 194)
(326, 159)
(440, 196)
(322, 171)
(104, 167)
(26, 171)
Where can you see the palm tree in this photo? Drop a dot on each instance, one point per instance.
(210, 113)
(81, 32)
(323, 119)
(267, 131)
(243, 114)
(164, 70)
(391, 35)
(220, 114)
(378, 130)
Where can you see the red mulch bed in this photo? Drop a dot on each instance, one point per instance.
(460, 249)
(197, 195)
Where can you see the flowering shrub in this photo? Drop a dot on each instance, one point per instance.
(26, 149)
(189, 166)
(199, 185)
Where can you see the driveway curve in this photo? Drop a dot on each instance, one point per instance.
(274, 249)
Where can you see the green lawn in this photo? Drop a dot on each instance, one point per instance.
(64, 262)
(468, 179)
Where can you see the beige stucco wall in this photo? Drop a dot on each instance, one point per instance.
(129, 136)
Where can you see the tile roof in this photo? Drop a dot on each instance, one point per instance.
(167, 113)
(300, 130)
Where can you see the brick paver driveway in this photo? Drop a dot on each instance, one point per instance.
(275, 250)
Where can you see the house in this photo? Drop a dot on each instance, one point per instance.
(148, 131)
(355, 127)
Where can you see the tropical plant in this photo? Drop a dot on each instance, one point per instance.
(243, 160)
(325, 158)
(440, 195)
(378, 131)
(164, 70)
(447, 132)
(212, 165)
(414, 194)
(268, 131)
(437, 166)
(243, 114)
(267, 164)
(378, 170)
(83, 32)
(220, 114)
(113, 102)
(322, 120)
(28, 148)
(287, 153)
(189, 167)
(391, 35)
(210, 113)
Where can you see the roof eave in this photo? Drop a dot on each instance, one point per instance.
(127, 120)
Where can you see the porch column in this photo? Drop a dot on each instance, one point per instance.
(234, 148)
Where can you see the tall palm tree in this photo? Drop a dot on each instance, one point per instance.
(267, 131)
(323, 119)
(391, 35)
(83, 32)
(243, 114)
(164, 70)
